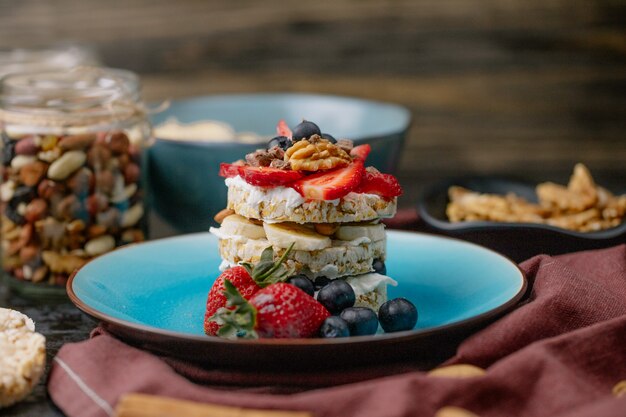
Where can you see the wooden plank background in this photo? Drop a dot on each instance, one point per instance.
(522, 87)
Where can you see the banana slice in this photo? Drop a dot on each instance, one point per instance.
(282, 235)
(374, 232)
(240, 226)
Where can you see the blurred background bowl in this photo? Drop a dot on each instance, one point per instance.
(186, 191)
(518, 241)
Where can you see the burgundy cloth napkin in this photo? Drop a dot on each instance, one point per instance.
(560, 353)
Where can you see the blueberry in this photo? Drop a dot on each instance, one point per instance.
(379, 267)
(361, 321)
(282, 142)
(305, 130)
(334, 326)
(301, 281)
(397, 315)
(329, 137)
(321, 282)
(336, 296)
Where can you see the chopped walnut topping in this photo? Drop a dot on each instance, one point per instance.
(264, 157)
(258, 158)
(345, 144)
(280, 164)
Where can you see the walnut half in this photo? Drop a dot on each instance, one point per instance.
(316, 154)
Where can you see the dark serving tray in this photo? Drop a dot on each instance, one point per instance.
(518, 241)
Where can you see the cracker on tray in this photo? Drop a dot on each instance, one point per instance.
(581, 205)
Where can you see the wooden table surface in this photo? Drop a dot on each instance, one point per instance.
(524, 88)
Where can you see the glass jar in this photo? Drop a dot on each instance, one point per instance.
(71, 181)
(59, 57)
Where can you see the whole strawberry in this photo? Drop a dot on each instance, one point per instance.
(247, 279)
(278, 311)
(241, 279)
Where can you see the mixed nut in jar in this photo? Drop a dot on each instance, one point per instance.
(71, 170)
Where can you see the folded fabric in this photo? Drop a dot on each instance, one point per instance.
(560, 353)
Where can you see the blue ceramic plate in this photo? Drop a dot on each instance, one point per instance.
(154, 294)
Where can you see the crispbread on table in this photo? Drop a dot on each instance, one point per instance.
(22, 356)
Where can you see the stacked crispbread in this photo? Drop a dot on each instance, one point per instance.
(313, 193)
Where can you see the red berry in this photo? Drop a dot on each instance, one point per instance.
(361, 152)
(241, 279)
(285, 311)
(330, 185)
(283, 130)
(260, 176)
(384, 185)
(269, 177)
(229, 170)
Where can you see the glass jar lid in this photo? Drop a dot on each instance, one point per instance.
(79, 96)
(62, 56)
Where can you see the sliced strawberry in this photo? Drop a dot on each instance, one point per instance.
(384, 185)
(241, 279)
(260, 176)
(361, 152)
(283, 130)
(278, 311)
(229, 170)
(269, 177)
(330, 185)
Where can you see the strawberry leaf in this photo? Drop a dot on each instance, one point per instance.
(267, 271)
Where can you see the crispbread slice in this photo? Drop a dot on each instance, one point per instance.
(341, 259)
(285, 204)
(22, 356)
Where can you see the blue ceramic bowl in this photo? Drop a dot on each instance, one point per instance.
(183, 175)
(154, 295)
